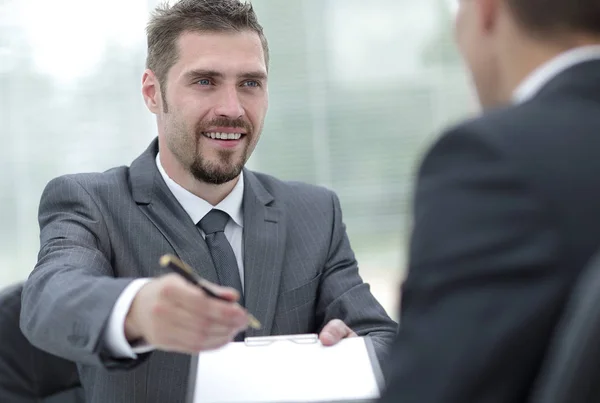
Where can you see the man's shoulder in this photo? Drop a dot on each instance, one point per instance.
(535, 126)
(92, 182)
(533, 140)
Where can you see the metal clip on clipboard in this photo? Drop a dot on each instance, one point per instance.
(294, 338)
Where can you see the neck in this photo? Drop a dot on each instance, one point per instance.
(523, 55)
(212, 193)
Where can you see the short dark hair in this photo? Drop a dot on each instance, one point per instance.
(169, 22)
(547, 17)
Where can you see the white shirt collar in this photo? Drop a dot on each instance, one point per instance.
(197, 207)
(546, 72)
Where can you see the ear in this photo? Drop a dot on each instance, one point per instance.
(151, 92)
(488, 12)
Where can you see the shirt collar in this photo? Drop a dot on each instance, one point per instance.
(546, 72)
(197, 207)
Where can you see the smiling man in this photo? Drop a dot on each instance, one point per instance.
(279, 249)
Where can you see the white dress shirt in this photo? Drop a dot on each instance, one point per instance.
(196, 208)
(546, 72)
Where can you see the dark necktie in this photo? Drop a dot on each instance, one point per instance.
(213, 225)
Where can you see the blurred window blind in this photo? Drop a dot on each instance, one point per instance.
(357, 90)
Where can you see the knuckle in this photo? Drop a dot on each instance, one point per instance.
(157, 309)
(224, 311)
(233, 311)
(166, 290)
(170, 284)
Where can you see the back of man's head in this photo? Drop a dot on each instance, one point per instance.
(550, 18)
(502, 41)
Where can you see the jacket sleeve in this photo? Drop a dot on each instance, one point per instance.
(343, 294)
(68, 298)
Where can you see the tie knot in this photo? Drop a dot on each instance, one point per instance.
(214, 221)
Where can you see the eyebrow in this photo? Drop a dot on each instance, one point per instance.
(254, 75)
(251, 75)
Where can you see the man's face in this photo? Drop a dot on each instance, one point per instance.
(216, 102)
(475, 37)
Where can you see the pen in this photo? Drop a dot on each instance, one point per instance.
(175, 264)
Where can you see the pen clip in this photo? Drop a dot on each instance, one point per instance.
(294, 338)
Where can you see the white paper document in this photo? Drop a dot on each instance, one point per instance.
(286, 369)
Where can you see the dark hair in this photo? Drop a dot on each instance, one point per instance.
(547, 17)
(168, 23)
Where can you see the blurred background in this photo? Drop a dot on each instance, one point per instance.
(358, 90)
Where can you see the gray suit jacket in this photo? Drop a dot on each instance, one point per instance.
(101, 230)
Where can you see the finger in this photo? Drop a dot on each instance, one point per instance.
(218, 318)
(200, 305)
(334, 331)
(170, 315)
(186, 336)
(217, 331)
(176, 290)
(177, 293)
(225, 313)
(171, 321)
(175, 312)
(227, 293)
(207, 323)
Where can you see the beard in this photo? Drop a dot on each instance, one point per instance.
(228, 164)
(218, 173)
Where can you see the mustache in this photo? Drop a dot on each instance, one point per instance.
(225, 122)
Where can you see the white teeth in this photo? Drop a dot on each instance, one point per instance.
(223, 136)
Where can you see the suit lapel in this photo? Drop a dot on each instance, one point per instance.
(264, 248)
(162, 208)
(263, 236)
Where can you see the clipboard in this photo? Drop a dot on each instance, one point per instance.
(269, 347)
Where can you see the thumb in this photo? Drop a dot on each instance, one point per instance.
(227, 293)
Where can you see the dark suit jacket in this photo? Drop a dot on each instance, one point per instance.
(98, 231)
(27, 374)
(506, 215)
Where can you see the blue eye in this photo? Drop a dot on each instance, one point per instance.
(252, 83)
(204, 81)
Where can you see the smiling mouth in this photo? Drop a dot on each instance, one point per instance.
(222, 136)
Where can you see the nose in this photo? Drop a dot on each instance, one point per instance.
(229, 104)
